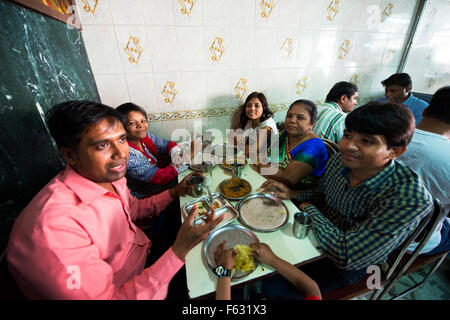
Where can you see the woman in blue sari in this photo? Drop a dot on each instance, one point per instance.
(302, 155)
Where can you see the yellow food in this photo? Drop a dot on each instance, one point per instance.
(229, 189)
(244, 260)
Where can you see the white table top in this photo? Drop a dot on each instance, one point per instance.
(202, 281)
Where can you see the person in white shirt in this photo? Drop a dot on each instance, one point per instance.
(428, 154)
(256, 123)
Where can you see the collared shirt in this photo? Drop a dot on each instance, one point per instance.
(77, 240)
(417, 106)
(330, 122)
(428, 155)
(360, 226)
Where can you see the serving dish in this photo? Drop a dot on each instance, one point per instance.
(233, 235)
(235, 188)
(263, 212)
(222, 206)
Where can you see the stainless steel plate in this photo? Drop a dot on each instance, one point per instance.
(233, 235)
(263, 212)
(222, 192)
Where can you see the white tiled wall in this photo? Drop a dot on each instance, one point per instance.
(288, 53)
(429, 60)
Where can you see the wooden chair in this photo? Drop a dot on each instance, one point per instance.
(399, 262)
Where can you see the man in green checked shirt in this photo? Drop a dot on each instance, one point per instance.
(341, 100)
(367, 203)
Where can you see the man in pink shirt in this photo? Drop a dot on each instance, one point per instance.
(77, 238)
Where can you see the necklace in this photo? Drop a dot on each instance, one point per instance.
(287, 150)
(299, 140)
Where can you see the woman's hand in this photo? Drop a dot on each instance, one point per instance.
(225, 257)
(278, 189)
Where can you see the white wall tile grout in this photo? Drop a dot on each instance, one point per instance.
(177, 45)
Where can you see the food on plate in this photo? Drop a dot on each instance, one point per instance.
(258, 214)
(244, 260)
(236, 188)
(202, 209)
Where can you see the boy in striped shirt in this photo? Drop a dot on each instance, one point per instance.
(331, 115)
(367, 203)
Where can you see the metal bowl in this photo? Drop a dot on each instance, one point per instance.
(233, 235)
(270, 207)
(222, 192)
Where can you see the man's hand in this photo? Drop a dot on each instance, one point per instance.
(225, 257)
(278, 189)
(303, 205)
(183, 187)
(189, 235)
(263, 253)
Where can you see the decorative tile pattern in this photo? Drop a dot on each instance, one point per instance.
(217, 49)
(333, 9)
(241, 88)
(266, 7)
(169, 92)
(215, 52)
(387, 12)
(301, 85)
(186, 6)
(224, 112)
(133, 50)
(286, 48)
(344, 49)
(354, 79)
(90, 5)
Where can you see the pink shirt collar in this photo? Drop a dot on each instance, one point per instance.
(90, 190)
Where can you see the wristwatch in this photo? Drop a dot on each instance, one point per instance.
(222, 272)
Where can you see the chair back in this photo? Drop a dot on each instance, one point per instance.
(398, 268)
(332, 148)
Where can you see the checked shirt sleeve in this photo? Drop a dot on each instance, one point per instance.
(390, 219)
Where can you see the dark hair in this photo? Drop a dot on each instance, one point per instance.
(267, 113)
(394, 121)
(67, 121)
(128, 107)
(309, 106)
(439, 107)
(399, 79)
(339, 89)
